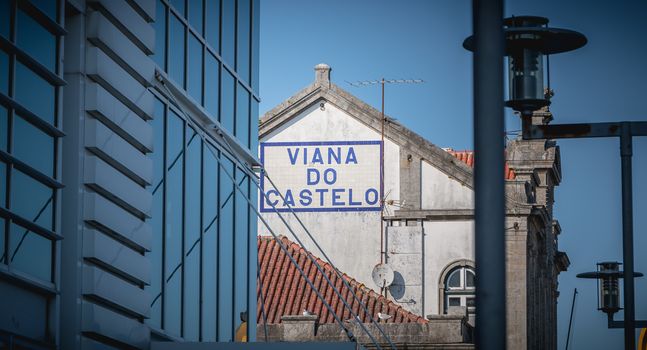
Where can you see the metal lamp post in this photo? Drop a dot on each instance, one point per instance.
(528, 39)
(608, 275)
(525, 40)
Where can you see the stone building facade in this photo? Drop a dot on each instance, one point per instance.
(426, 231)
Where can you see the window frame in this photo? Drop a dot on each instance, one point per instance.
(463, 292)
(49, 288)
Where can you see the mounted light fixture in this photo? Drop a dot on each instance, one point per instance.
(608, 274)
(527, 40)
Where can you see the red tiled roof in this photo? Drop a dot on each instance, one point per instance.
(285, 291)
(467, 157)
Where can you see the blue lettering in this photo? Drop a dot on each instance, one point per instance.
(321, 192)
(310, 181)
(336, 196)
(267, 197)
(316, 158)
(289, 199)
(350, 198)
(305, 156)
(334, 176)
(375, 196)
(293, 157)
(332, 155)
(305, 197)
(351, 157)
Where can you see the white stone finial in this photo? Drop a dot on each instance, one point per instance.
(322, 73)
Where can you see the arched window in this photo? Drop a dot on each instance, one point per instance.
(460, 289)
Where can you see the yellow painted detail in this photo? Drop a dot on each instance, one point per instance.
(642, 340)
(241, 333)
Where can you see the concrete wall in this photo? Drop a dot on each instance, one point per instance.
(405, 255)
(440, 332)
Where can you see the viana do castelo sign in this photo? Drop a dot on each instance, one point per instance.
(322, 176)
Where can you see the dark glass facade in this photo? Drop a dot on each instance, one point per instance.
(209, 49)
(179, 233)
(30, 37)
(204, 232)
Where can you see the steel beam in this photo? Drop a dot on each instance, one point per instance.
(627, 237)
(584, 130)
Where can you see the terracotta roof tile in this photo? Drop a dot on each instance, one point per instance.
(467, 157)
(285, 291)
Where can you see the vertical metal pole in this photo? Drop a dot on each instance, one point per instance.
(382, 252)
(488, 174)
(627, 236)
(570, 320)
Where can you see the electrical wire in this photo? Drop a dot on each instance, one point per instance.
(260, 285)
(338, 273)
(244, 167)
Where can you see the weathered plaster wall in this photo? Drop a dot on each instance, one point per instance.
(445, 242)
(406, 258)
(439, 191)
(351, 239)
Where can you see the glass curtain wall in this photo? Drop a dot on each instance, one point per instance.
(209, 48)
(30, 38)
(204, 232)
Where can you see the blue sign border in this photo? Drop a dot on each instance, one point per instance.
(263, 209)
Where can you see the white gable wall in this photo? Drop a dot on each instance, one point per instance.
(351, 239)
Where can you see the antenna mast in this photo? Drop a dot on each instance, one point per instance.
(570, 320)
(383, 82)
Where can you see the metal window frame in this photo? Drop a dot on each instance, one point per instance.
(14, 108)
(224, 141)
(169, 106)
(50, 288)
(170, 10)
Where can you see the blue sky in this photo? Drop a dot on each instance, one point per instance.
(603, 81)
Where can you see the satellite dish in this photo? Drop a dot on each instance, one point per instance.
(382, 275)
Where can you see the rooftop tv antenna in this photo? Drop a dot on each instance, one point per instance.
(383, 82)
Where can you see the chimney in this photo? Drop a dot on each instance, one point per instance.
(322, 74)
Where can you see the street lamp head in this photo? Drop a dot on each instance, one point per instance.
(527, 41)
(608, 274)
